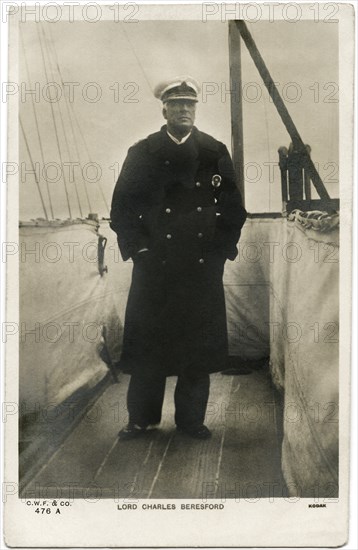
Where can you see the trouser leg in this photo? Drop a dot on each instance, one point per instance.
(191, 398)
(145, 398)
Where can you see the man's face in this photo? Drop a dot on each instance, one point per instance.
(180, 115)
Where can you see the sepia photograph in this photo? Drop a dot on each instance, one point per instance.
(179, 194)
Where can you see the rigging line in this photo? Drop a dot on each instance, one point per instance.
(90, 158)
(70, 118)
(83, 139)
(136, 56)
(55, 125)
(88, 154)
(60, 113)
(36, 123)
(33, 168)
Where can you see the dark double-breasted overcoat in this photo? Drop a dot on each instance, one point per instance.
(180, 202)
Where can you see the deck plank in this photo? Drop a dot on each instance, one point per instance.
(190, 464)
(79, 457)
(251, 462)
(241, 460)
(133, 464)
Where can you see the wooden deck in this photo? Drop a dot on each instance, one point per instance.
(241, 460)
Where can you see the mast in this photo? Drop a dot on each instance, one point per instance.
(237, 135)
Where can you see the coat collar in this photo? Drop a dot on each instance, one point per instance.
(157, 140)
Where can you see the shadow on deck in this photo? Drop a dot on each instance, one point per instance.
(241, 460)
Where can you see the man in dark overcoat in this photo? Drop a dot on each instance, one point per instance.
(178, 214)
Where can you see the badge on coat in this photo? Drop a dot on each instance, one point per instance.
(216, 180)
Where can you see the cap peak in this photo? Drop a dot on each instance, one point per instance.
(180, 87)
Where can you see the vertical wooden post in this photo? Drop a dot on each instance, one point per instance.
(307, 179)
(282, 153)
(295, 173)
(282, 109)
(237, 140)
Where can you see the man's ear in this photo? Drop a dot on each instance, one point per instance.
(164, 111)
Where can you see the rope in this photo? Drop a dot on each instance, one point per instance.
(89, 156)
(36, 121)
(122, 27)
(83, 139)
(33, 168)
(61, 118)
(68, 105)
(315, 219)
(55, 125)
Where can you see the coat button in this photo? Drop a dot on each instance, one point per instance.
(168, 210)
(167, 162)
(198, 184)
(199, 209)
(200, 235)
(169, 236)
(201, 261)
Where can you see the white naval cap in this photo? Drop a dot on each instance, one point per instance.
(179, 87)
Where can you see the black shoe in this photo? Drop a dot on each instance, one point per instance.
(198, 432)
(131, 431)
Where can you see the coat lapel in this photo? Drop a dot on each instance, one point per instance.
(199, 151)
